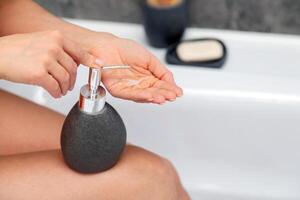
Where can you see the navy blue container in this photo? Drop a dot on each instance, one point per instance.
(165, 25)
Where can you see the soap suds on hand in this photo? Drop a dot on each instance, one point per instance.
(133, 82)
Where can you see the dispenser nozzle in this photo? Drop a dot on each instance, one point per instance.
(94, 81)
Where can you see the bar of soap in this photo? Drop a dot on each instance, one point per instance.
(202, 52)
(199, 51)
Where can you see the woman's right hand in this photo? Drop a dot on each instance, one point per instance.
(46, 59)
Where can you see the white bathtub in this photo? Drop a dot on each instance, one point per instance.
(235, 133)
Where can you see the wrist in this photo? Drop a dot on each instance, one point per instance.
(89, 39)
(86, 38)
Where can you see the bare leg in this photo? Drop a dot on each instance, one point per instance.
(27, 127)
(43, 175)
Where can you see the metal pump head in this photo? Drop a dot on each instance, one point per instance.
(92, 95)
(94, 81)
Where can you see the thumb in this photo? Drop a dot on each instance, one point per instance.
(80, 55)
(89, 60)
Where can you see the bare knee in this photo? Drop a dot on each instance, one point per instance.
(155, 177)
(165, 178)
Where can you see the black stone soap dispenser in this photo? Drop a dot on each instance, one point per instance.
(93, 134)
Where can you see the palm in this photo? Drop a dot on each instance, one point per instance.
(147, 80)
(136, 85)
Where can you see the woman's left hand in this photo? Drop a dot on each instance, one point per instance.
(147, 80)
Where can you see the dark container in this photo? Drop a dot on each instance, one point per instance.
(92, 143)
(165, 25)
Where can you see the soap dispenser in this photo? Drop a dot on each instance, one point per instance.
(93, 135)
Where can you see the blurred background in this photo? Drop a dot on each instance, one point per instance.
(278, 16)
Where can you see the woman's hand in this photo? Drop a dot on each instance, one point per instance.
(46, 59)
(146, 81)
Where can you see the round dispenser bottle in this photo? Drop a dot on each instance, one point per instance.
(93, 134)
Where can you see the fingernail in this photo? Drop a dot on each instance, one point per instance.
(99, 62)
(180, 93)
(172, 99)
(151, 99)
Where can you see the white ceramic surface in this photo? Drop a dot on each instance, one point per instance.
(235, 134)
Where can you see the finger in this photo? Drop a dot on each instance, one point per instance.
(140, 94)
(160, 70)
(51, 85)
(167, 94)
(70, 65)
(61, 76)
(168, 90)
(165, 89)
(158, 96)
(142, 101)
(121, 89)
(135, 95)
(168, 86)
(79, 54)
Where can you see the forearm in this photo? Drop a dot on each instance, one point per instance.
(23, 16)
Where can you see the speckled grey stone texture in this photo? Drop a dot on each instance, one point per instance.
(282, 16)
(92, 143)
